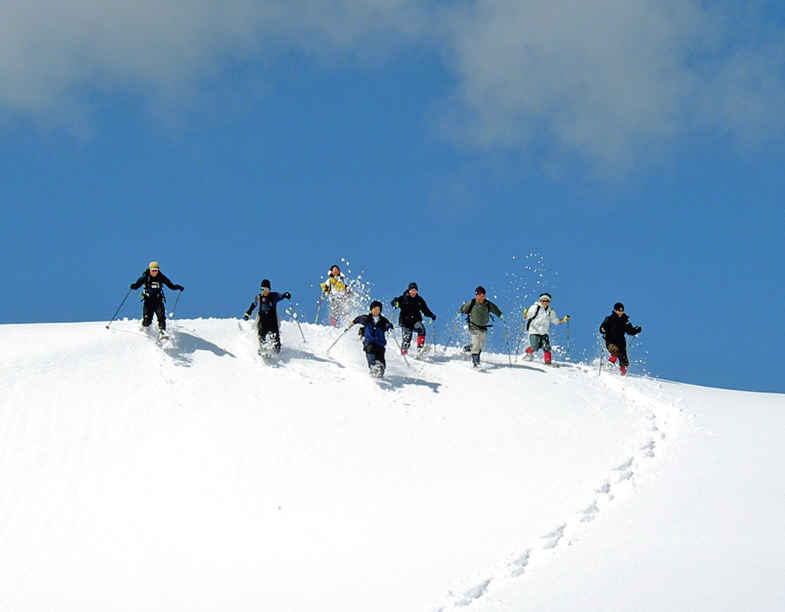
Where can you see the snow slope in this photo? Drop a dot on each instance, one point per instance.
(195, 477)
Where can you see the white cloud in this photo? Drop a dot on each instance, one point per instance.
(613, 82)
(53, 53)
(610, 81)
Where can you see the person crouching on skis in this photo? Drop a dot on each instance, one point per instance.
(613, 329)
(540, 316)
(153, 298)
(375, 326)
(267, 317)
(412, 307)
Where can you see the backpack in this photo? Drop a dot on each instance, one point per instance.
(469, 312)
(529, 321)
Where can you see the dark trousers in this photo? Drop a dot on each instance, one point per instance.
(407, 334)
(153, 307)
(267, 326)
(374, 354)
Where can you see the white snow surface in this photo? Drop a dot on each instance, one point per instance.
(194, 476)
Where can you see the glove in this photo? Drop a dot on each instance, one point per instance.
(565, 319)
(179, 288)
(245, 317)
(132, 287)
(637, 330)
(433, 318)
(525, 312)
(501, 317)
(287, 296)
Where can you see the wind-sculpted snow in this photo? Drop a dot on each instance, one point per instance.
(196, 475)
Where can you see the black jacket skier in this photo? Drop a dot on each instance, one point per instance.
(267, 318)
(613, 329)
(153, 298)
(412, 307)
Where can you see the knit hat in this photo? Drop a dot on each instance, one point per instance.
(545, 296)
(480, 289)
(265, 284)
(412, 286)
(153, 265)
(618, 306)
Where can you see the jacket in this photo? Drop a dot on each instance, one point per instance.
(479, 313)
(373, 329)
(267, 304)
(153, 287)
(411, 307)
(541, 318)
(335, 286)
(614, 327)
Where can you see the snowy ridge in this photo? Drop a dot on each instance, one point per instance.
(198, 476)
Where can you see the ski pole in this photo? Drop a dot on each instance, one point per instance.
(400, 350)
(296, 320)
(454, 327)
(171, 314)
(568, 340)
(520, 339)
(507, 340)
(318, 308)
(339, 337)
(520, 335)
(599, 373)
(118, 308)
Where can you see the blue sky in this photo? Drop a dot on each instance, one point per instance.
(598, 150)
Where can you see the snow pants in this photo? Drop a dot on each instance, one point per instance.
(477, 335)
(540, 341)
(374, 354)
(537, 342)
(152, 307)
(339, 307)
(269, 333)
(618, 348)
(407, 335)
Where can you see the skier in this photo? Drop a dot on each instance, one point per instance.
(540, 316)
(613, 329)
(337, 294)
(267, 317)
(153, 298)
(375, 326)
(412, 307)
(478, 310)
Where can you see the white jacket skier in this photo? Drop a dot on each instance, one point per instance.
(540, 317)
